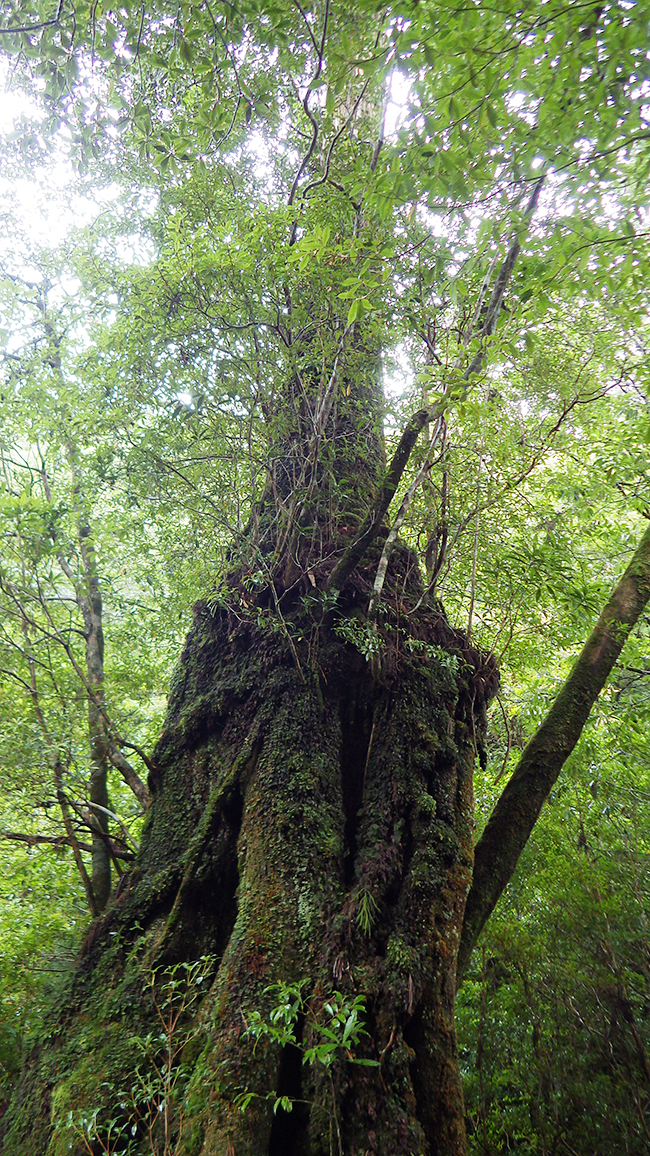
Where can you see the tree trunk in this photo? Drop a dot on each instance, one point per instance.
(307, 823)
(90, 604)
(311, 822)
(89, 600)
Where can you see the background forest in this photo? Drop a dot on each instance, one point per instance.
(140, 243)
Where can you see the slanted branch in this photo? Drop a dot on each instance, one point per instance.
(61, 841)
(510, 824)
(374, 520)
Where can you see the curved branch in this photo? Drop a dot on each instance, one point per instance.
(305, 104)
(130, 776)
(337, 136)
(37, 26)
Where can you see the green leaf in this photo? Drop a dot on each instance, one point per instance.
(353, 311)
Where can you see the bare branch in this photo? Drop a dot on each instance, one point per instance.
(57, 841)
(372, 523)
(72, 838)
(320, 49)
(380, 577)
(130, 776)
(496, 299)
(116, 819)
(35, 27)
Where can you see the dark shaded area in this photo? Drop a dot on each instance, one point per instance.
(209, 894)
(289, 1132)
(356, 736)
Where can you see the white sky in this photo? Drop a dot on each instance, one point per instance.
(45, 208)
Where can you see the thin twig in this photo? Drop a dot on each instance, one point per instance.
(35, 27)
(508, 739)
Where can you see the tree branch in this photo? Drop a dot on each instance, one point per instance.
(495, 303)
(72, 838)
(509, 827)
(375, 599)
(8, 31)
(320, 50)
(58, 841)
(130, 776)
(373, 520)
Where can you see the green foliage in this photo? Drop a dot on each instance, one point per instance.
(149, 1114)
(335, 1026)
(255, 209)
(362, 634)
(553, 1019)
(367, 912)
(40, 900)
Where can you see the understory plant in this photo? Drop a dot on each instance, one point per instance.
(333, 1027)
(151, 1109)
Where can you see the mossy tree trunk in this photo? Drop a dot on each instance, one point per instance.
(311, 819)
(345, 794)
(309, 823)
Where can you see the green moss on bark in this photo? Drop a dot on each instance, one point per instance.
(307, 822)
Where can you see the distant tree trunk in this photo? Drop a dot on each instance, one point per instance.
(90, 604)
(89, 600)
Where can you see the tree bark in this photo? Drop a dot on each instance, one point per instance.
(509, 827)
(305, 824)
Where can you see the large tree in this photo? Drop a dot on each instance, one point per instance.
(311, 816)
